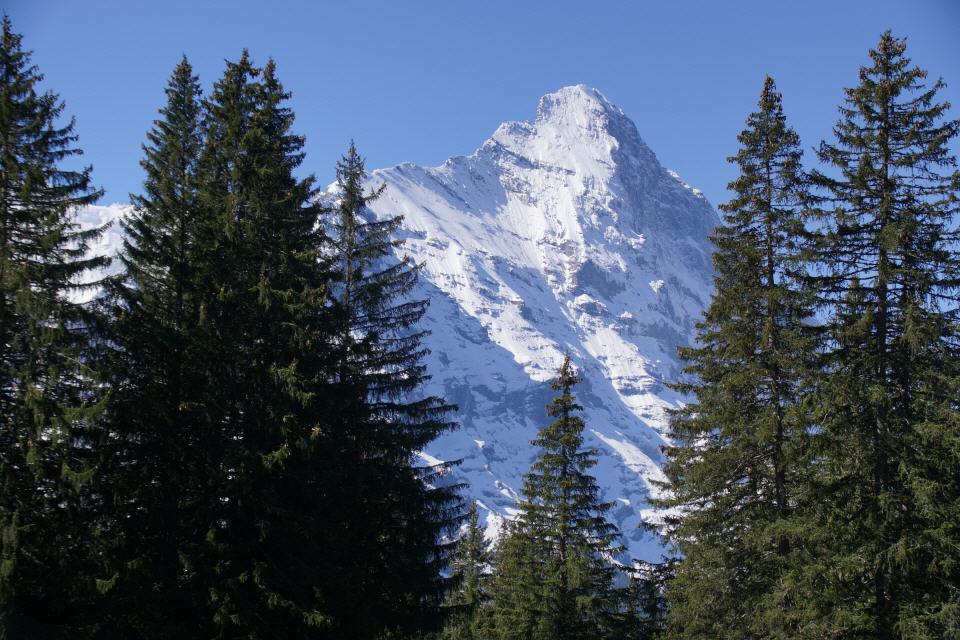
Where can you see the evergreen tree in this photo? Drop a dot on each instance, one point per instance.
(259, 347)
(47, 559)
(555, 577)
(470, 563)
(516, 589)
(388, 515)
(887, 401)
(646, 617)
(150, 465)
(738, 460)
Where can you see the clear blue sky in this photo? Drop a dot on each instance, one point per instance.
(421, 81)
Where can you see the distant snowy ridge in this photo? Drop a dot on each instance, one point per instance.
(564, 234)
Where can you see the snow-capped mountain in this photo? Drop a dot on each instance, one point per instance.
(564, 234)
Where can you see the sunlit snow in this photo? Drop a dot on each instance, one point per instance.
(564, 234)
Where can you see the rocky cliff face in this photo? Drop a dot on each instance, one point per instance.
(559, 235)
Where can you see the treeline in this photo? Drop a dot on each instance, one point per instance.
(223, 443)
(815, 475)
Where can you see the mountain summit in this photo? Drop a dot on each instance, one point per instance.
(561, 235)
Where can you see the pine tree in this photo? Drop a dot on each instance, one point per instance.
(888, 396)
(737, 465)
(47, 559)
(555, 577)
(385, 547)
(469, 564)
(149, 461)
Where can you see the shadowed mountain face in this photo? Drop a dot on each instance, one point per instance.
(560, 235)
(564, 234)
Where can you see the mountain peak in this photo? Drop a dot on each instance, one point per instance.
(561, 234)
(578, 129)
(579, 105)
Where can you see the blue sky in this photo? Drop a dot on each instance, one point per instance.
(421, 81)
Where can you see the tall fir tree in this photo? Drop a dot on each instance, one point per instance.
(261, 327)
(47, 404)
(738, 462)
(887, 402)
(150, 452)
(470, 565)
(389, 514)
(555, 577)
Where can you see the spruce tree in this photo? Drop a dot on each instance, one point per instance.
(261, 327)
(515, 606)
(150, 456)
(388, 513)
(887, 402)
(647, 613)
(555, 577)
(469, 565)
(737, 463)
(47, 402)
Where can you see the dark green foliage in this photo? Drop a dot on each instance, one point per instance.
(265, 419)
(47, 539)
(261, 336)
(933, 606)
(889, 559)
(554, 577)
(219, 336)
(150, 469)
(646, 611)
(738, 462)
(470, 564)
(817, 497)
(389, 514)
(516, 586)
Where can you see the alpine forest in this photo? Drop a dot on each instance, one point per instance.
(220, 430)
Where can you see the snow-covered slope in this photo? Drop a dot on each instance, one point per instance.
(110, 242)
(559, 235)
